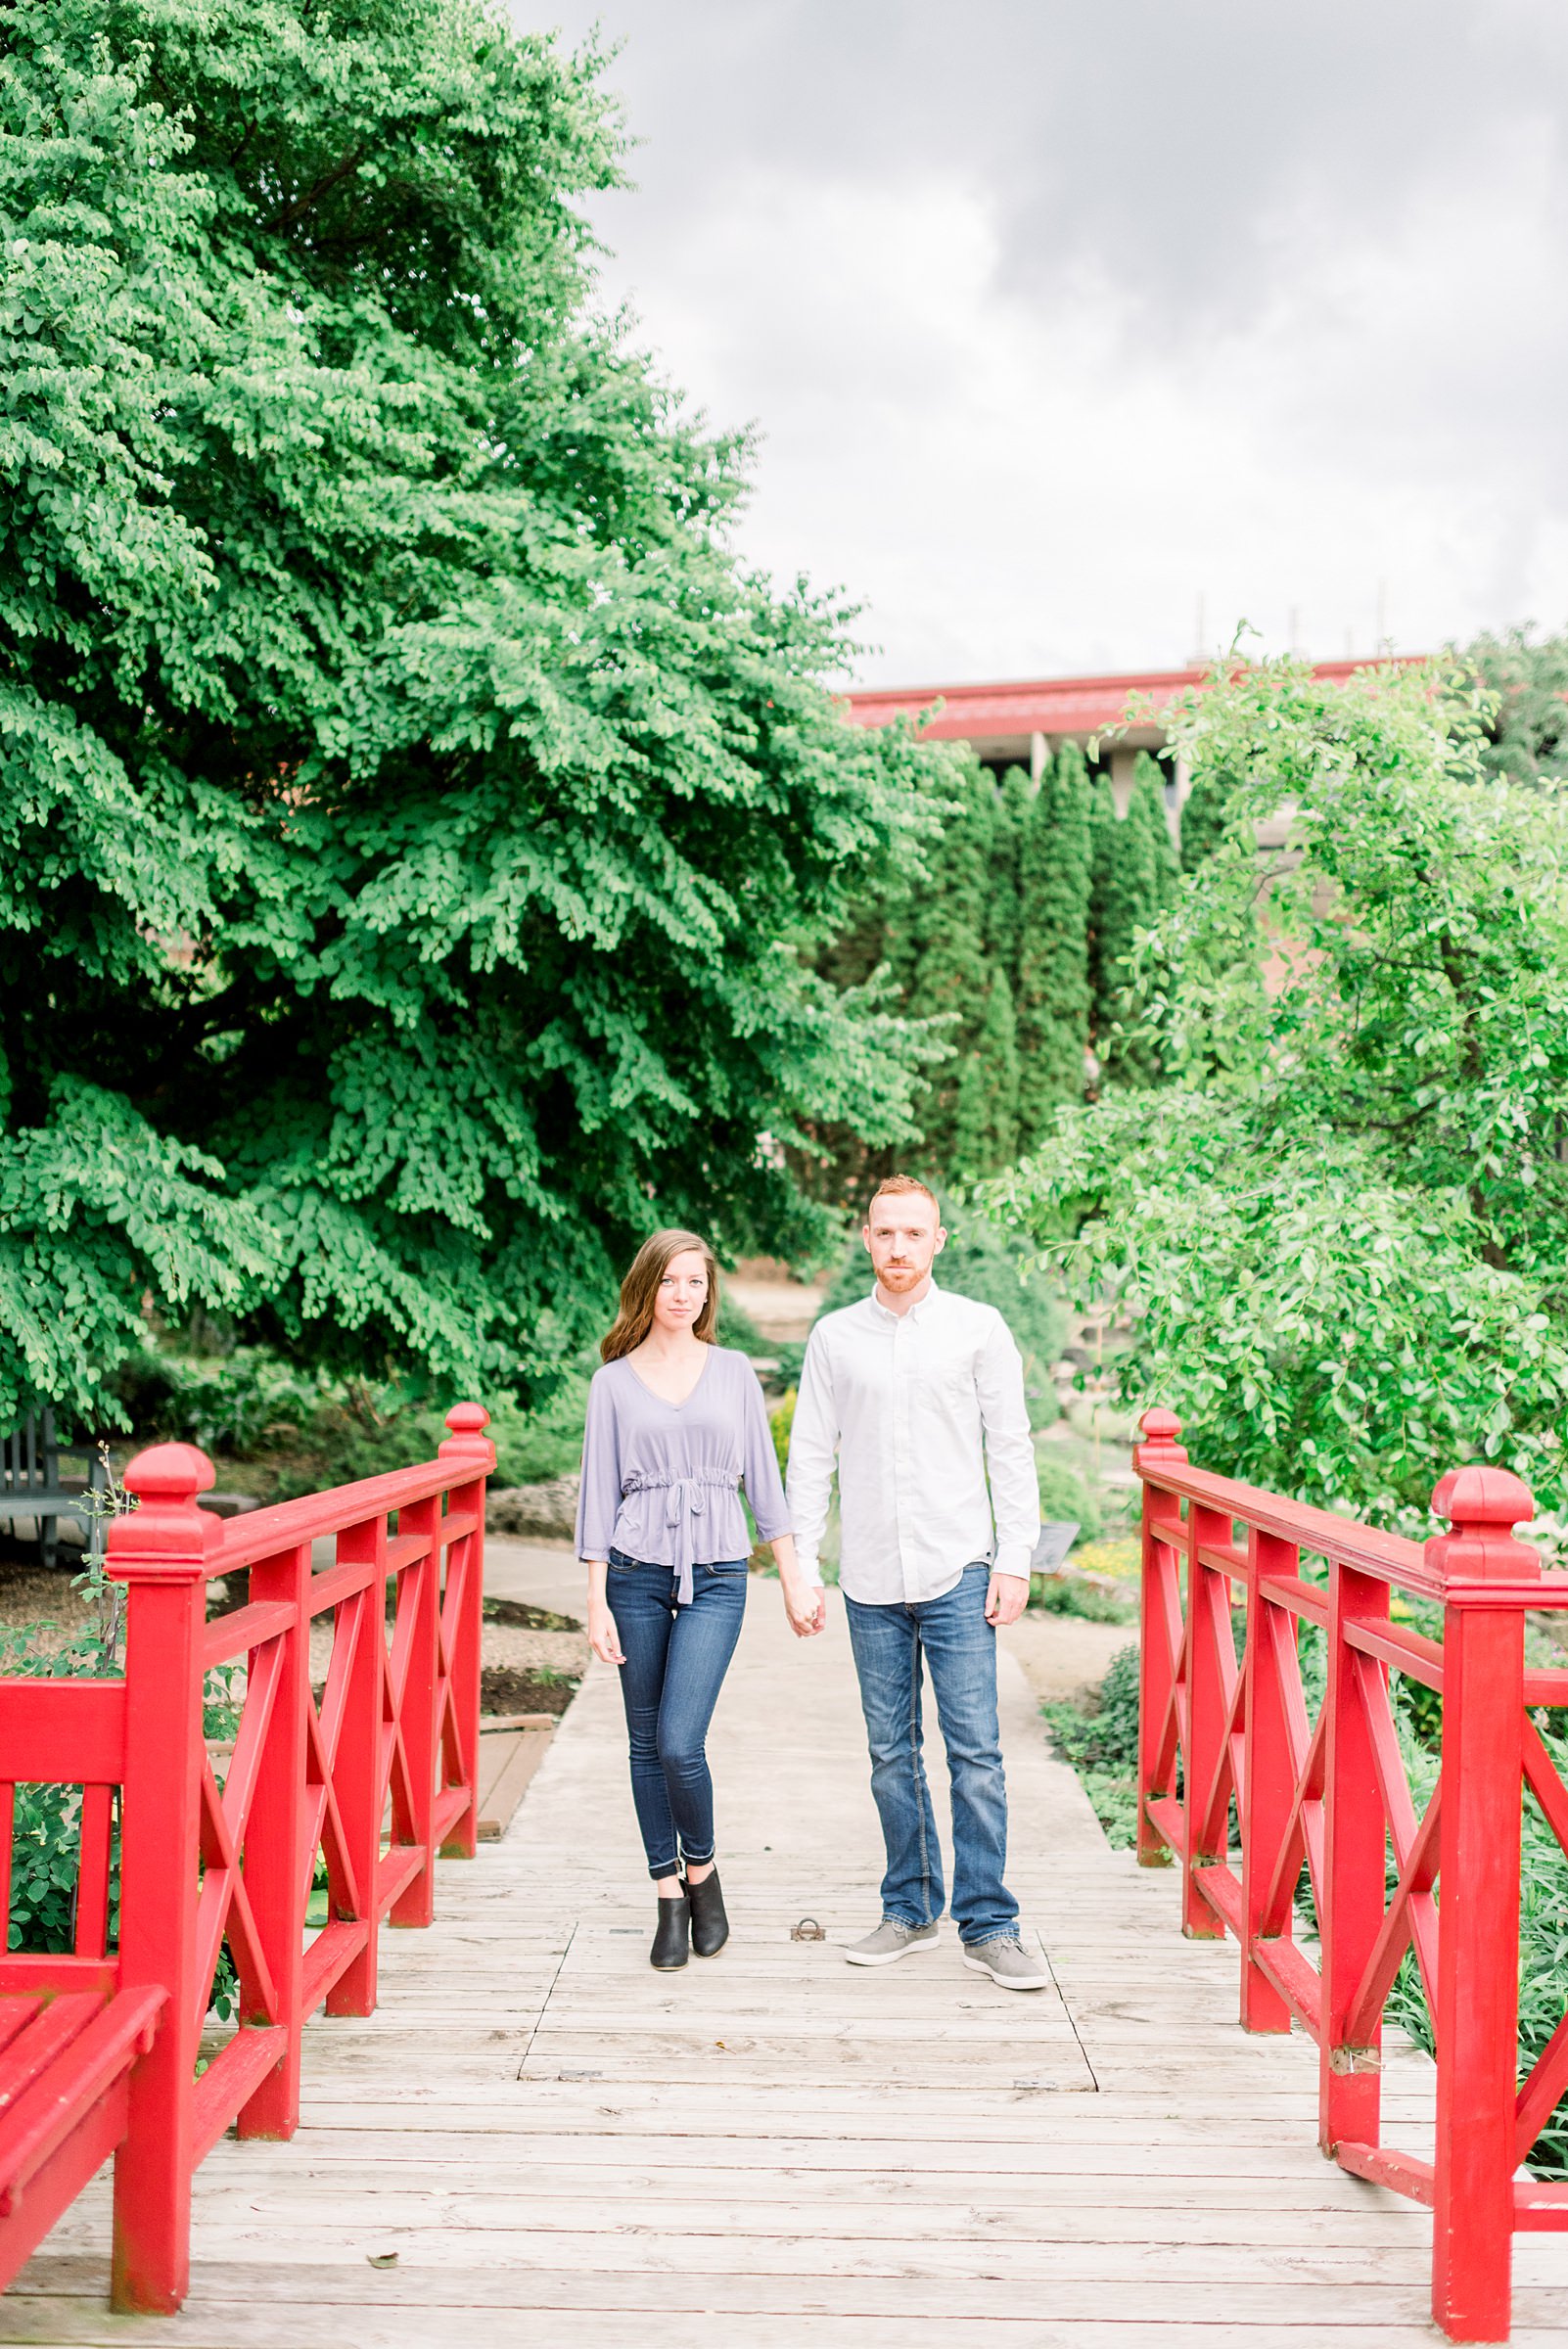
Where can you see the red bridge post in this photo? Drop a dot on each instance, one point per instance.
(1160, 1615)
(467, 1441)
(161, 1552)
(1478, 1911)
(1349, 2085)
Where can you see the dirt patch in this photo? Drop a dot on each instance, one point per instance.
(517, 1615)
(504, 1689)
(33, 1596)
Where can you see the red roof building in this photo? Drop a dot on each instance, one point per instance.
(1021, 725)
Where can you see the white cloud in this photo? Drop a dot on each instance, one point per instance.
(1047, 336)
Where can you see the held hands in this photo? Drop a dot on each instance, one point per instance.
(805, 1604)
(602, 1634)
(1007, 1597)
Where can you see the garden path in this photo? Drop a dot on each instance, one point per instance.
(538, 2141)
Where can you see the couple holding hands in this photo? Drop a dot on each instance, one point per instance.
(915, 1393)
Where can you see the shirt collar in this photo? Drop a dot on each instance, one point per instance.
(915, 1313)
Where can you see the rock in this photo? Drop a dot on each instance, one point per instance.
(547, 1512)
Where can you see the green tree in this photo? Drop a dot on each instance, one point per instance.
(1136, 877)
(1527, 734)
(1342, 1244)
(1144, 887)
(1004, 906)
(1205, 815)
(1148, 805)
(985, 1128)
(1052, 993)
(953, 973)
(415, 822)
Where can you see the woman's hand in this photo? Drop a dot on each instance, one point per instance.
(805, 1604)
(602, 1637)
(601, 1622)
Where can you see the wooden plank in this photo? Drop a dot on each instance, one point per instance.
(221, 2324)
(506, 1766)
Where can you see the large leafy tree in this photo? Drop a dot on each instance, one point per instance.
(414, 820)
(1342, 1242)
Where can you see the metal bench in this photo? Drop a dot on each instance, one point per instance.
(31, 1485)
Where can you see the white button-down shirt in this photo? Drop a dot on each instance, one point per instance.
(915, 1406)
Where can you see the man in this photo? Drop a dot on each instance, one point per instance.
(918, 1392)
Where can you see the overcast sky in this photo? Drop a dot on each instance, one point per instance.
(1057, 320)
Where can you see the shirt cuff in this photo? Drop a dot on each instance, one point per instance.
(806, 1561)
(1012, 1557)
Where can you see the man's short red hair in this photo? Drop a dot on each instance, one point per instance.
(899, 1186)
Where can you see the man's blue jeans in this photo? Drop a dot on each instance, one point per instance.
(676, 1659)
(959, 1645)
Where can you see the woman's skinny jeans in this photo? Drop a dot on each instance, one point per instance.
(676, 1659)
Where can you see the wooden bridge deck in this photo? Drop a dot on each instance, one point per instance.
(538, 2141)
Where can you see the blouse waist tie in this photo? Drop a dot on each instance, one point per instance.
(685, 1500)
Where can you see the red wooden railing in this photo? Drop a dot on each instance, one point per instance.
(1333, 1795)
(378, 1777)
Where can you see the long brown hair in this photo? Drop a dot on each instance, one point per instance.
(641, 1286)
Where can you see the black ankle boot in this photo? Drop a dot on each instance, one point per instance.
(709, 1926)
(669, 1940)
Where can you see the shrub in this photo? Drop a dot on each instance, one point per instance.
(1102, 1746)
(781, 1418)
(1071, 1593)
(1065, 1498)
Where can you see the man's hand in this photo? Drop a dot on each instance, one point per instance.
(1007, 1597)
(805, 1604)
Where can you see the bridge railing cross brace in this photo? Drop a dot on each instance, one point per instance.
(100, 2044)
(1224, 1735)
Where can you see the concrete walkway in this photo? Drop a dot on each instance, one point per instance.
(538, 2142)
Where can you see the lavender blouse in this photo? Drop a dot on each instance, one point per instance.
(660, 1480)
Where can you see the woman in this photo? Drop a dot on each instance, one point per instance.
(675, 1426)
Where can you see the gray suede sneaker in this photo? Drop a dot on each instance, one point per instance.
(892, 1940)
(1007, 1963)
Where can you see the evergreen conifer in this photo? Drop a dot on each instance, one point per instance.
(1014, 797)
(985, 1134)
(951, 973)
(1135, 879)
(1203, 817)
(1054, 990)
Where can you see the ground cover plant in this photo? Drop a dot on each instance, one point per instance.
(1102, 1746)
(415, 823)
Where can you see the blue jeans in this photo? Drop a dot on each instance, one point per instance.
(955, 1639)
(676, 1659)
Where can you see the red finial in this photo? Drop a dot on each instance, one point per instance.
(1483, 1505)
(170, 1472)
(1160, 1431)
(167, 1533)
(467, 1422)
